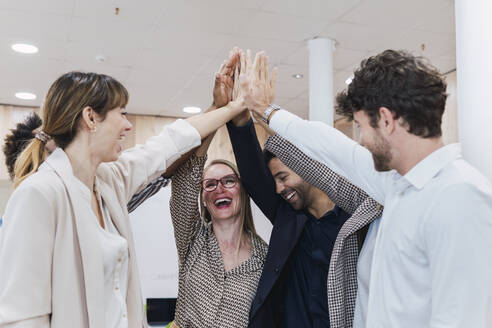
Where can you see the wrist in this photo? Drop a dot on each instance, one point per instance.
(268, 113)
(211, 108)
(236, 106)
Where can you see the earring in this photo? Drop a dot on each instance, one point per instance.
(93, 129)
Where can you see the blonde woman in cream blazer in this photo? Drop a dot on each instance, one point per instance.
(53, 261)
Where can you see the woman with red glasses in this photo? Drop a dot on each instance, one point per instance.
(220, 254)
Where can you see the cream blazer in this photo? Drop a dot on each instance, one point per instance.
(51, 266)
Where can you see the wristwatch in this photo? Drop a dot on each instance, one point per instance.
(268, 112)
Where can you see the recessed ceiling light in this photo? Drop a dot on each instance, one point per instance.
(349, 80)
(25, 95)
(24, 48)
(192, 110)
(297, 76)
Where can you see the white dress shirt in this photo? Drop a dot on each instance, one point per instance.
(431, 264)
(364, 264)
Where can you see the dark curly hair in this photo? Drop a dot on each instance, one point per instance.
(17, 140)
(407, 85)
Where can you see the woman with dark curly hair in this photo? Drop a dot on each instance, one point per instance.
(18, 139)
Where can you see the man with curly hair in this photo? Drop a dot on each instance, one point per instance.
(426, 262)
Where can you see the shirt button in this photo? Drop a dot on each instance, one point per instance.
(119, 259)
(124, 315)
(276, 270)
(116, 288)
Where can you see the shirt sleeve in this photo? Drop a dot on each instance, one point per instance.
(185, 212)
(256, 177)
(139, 165)
(150, 190)
(458, 240)
(332, 148)
(26, 249)
(346, 195)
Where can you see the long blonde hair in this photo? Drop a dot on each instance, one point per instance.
(62, 109)
(246, 216)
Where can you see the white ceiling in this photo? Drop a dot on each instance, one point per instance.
(166, 52)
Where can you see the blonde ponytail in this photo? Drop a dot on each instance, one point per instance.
(29, 161)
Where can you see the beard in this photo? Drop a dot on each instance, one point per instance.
(381, 153)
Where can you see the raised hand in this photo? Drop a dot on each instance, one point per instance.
(224, 80)
(245, 68)
(257, 88)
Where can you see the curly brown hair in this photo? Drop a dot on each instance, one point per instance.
(407, 85)
(17, 140)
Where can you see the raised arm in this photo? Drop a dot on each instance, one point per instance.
(332, 148)
(340, 190)
(255, 175)
(185, 212)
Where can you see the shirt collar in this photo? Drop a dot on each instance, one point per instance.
(430, 166)
(59, 161)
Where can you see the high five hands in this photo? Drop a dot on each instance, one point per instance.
(244, 83)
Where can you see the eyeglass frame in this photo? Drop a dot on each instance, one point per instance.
(217, 181)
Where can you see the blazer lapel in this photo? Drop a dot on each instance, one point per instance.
(290, 230)
(85, 225)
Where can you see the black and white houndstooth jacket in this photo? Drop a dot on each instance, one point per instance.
(342, 274)
(208, 296)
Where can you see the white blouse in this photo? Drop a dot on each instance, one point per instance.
(115, 255)
(114, 250)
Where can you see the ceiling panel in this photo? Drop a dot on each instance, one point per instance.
(186, 40)
(115, 30)
(361, 37)
(205, 16)
(286, 76)
(166, 52)
(393, 14)
(281, 27)
(59, 7)
(321, 10)
(33, 25)
(346, 58)
(86, 53)
(276, 50)
(439, 21)
(434, 44)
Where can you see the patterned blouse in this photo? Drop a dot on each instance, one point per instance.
(208, 296)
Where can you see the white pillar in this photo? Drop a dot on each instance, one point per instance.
(474, 69)
(321, 80)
